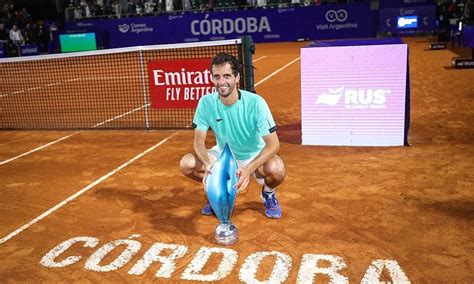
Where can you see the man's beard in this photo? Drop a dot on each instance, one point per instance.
(225, 95)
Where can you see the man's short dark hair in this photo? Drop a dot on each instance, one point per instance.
(223, 58)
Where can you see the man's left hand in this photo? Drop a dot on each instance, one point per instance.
(244, 179)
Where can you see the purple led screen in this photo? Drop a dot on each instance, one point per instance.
(353, 95)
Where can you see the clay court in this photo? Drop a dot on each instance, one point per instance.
(349, 213)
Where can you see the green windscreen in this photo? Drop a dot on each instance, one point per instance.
(77, 42)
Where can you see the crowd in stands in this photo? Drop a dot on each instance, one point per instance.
(18, 28)
(450, 14)
(128, 8)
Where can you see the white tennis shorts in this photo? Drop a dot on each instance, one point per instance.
(216, 152)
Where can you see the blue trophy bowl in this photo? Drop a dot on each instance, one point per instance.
(221, 195)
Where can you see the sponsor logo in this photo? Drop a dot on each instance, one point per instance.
(229, 26)
(81, 24)
(437, 46)
(354, 98)
(217, 38)
(134, 28)
(339, 15)
(180, 83)
(28, 50)
(425, 20)
(191, 39)
(285, 10)
(413, 1)
(331, 98)
(337, 21)
(404, 12)
(123, 28)
(337, 27)
(468, 63)
(218, 119)
(271, 36)
(407, 22)
(173, 17)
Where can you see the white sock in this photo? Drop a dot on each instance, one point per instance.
(268, 189)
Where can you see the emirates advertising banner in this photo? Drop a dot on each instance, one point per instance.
(179, 84)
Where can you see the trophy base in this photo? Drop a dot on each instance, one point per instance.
(227, 234)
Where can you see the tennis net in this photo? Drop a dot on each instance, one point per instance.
(114, 88)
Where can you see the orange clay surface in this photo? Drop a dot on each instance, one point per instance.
(413, 205)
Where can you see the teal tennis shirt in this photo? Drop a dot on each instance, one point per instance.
(242, 124)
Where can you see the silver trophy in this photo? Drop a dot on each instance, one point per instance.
(221, 194)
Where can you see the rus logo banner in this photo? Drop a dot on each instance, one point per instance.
(179, 84)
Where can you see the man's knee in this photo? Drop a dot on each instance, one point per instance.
(275, 168)
(187, 164)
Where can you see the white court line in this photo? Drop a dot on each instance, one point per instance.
(277, 71)
(83, 190)
(71, 80)
(102, 78)
(37, 148)
(72, 197)
(112, 78)
(65, 137)
(53, 84)
(255, 60)
(122, 115)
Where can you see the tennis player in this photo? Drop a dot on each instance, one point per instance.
(244, 121)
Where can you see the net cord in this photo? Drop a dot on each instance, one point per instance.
(122, 49)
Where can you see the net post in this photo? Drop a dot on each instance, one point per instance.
(145, 101)
(247, 50)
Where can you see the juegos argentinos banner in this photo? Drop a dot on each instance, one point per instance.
(179, 83)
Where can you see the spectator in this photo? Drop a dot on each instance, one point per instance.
(43, 37)
(149, 6)
(117, 10)
(87, 10)
(16, 37)
(169, 5)
(31, 34)
(3, 35)
(78, 13)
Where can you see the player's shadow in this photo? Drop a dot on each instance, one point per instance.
(240, 208)
(461, 209)
(171, 210)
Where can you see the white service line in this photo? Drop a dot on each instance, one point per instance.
(53, 84)
(71, 80)
(119, 116)
(38, 148)
(260, 58)
(277, 71)
(83, 190)
(65, 137)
